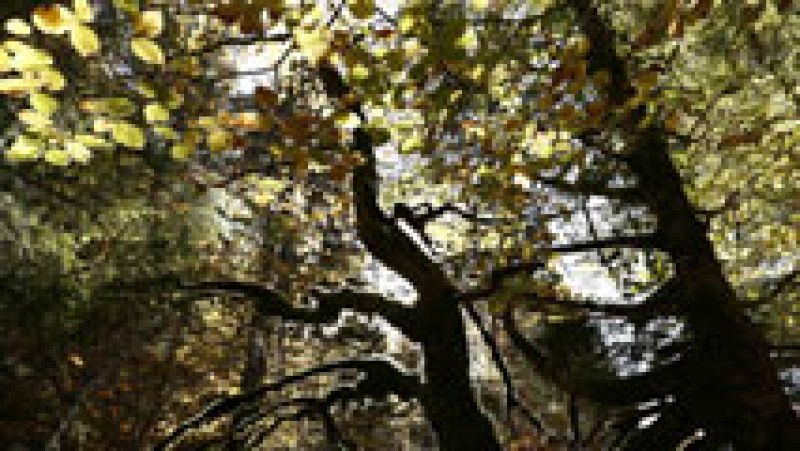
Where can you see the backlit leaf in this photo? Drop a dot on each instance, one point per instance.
(78, 151)
(24, 149)
(116, 106)
(127, 134)
(25, 57)
(92, 141)
(219, 139)
(147, 51)
(181, 151)
(150, 23)
(17, 85)
(313, 43)
(18, 27)
(83, 10)
(43, 103)
(56, 157)
(129, 6)
(154, 112)
(84, 40)
(34, 119)
(51, 79)
(53, 19)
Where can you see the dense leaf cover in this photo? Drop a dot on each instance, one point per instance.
(360, 224)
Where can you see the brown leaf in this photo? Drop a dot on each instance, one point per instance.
(739, 139)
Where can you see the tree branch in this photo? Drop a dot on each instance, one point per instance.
(329, 305)
(591, 188)
(381, 234)
(381, 378)
(242, 41)
(497, 277)
(784, 282)
(607, 390)
(512, 399)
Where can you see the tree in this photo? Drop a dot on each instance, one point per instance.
(506, 123)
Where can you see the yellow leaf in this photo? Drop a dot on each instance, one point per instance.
(78, 151)
(17, 85)
(56, 157)
(150, 23)
(25, 57)
(34, 119)
(5, 60)
(267, 190)
(313, 43)
(53, 19)
(219, 139)
(127, 134)
(166, 132)
(43, 103)
(92, 141)
(407, 23)
(101, 125)
(24, 149)
(181, 151)
(76, 360)
(359, 72)
(18, 27)
(83, 10)
(147, 51)
(480, 4)
(129, 6)
(154, 112)
(84, 40)
(469, 40)
(175, 100)
(51, 79)
(113, 106)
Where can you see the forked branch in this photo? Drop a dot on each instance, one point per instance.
(381, 378)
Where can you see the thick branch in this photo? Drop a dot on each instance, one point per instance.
(330, 305)
(603, 389)
(603, 54)
(380, 233)
(497, 277)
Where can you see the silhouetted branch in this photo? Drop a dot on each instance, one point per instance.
(608, 390)
(574, 422)
(784, 282)
(512, 399)
(380, 233)
(730, 202)
(497, 277)
(329, 304)
(381, 378)
(242, 41)
(585, 188)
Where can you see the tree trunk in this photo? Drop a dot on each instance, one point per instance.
(734, 382)
(448, 400)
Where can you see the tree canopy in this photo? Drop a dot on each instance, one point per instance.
(360, 224)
